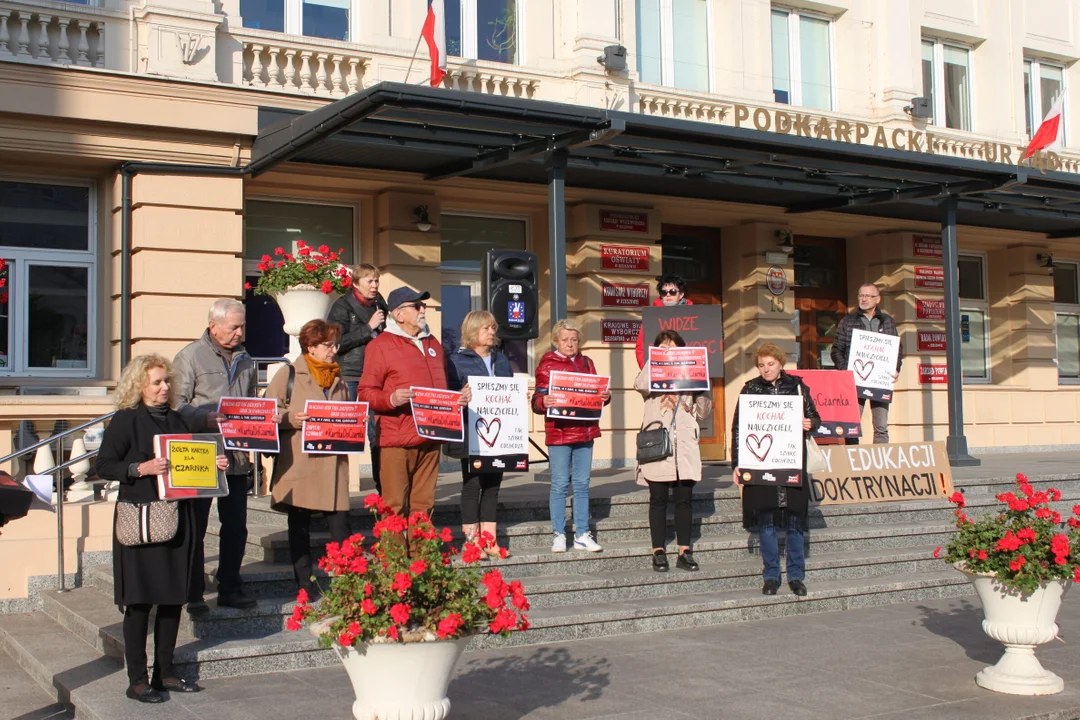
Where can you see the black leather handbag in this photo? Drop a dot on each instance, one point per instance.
(655, 443)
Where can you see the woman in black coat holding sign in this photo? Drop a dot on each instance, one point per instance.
(765, 507)
(479, 490)
(157, 574)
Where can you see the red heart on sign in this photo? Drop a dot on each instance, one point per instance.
(759, 447)
(488, 431)
(863, 368)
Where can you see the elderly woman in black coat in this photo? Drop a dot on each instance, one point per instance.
(157, 574)
(764, 506)
(479, 490)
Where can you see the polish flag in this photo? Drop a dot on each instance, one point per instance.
(1051, 134)
(434, 32)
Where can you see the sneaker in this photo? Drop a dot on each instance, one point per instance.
(585, 541)
(560, 543)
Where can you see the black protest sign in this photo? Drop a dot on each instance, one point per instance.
(698, 325)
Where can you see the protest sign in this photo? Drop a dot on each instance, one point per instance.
(698, 325)
(334, 427)
(498, 426)
(437, 415)
(678, 369)
(833, 392)
(873, 360)
(247, 424)
(577, 396)
(770, 437)
(878, 473)
(192, 470)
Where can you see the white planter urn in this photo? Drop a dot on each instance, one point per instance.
(299, 305)
(1021, 622)
(400, 681)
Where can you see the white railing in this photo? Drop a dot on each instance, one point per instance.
(287, 63)
(684, 105)
(491, 82)
(52, 33)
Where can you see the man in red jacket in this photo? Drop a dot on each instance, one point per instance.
(405, 356)
(672, 291)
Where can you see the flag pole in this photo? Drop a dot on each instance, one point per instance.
(414, 52)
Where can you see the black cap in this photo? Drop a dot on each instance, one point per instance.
(404, 295)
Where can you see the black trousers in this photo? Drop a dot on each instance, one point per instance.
(166, 628)
(300, 539)
(232, 513)
(479, 495)
(658, 503)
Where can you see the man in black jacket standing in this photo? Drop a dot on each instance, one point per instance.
(361, 314)
(869, 317)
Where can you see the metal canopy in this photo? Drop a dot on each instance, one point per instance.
(440, 133)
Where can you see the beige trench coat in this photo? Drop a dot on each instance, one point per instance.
(687, 453)
(314, 482)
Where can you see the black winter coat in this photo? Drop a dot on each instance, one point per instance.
(462, 365)
(785, 502)
(881, 322)
(353, 316)
(152, 574)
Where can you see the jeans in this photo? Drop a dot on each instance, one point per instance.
(351, 386)
(232, 540)
(770, 548)
(879, 413)
(570, 464)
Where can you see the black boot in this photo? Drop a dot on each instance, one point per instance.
(659, 561)
(797, 587)
(686, 562)
(770, 587)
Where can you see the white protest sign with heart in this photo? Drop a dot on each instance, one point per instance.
(770, 432)
(498, 418)
(872, 357)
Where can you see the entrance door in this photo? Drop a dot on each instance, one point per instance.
(694, 254)
(820, 285)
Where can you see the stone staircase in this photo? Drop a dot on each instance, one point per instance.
(858, 556)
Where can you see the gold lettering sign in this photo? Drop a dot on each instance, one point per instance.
(804, 125)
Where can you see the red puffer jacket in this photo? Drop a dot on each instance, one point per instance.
(391, 362)
(562, 432)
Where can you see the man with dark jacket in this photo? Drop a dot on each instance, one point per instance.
(869, 317)
(405, 356)
(216, 366)
(361, 314)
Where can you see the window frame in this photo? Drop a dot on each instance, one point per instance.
(938, 109)
(1069, 310)
(980, 305)
(470, 37)
(1034, 64)
(293, 22)
(250, 265)
(19, 261)
(667, 46)
(794, 37)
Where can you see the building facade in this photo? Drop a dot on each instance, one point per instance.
(87, 87)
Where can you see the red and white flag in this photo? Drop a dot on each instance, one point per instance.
(1051, 134)
(434, 33)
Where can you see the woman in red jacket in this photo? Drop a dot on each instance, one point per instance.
(569, 442)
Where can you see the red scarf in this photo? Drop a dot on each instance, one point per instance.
(363, 300)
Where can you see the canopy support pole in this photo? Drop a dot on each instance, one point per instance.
(956, 443)
(557, 233)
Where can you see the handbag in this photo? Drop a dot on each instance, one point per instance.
(815, 456)
(656, 444)
(146, 523)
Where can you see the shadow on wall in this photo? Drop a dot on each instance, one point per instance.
(513, 687)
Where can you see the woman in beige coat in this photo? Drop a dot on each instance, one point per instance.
(678, 472)
(304, 484)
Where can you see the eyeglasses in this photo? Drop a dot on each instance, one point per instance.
(669, 292)
(329, 344)
(868, 296)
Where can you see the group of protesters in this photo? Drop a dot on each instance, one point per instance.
(375, 350)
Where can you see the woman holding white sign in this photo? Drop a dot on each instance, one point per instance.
(304, 483)
(766, 506)
(479, 490)
(148, 573)
(681, 413)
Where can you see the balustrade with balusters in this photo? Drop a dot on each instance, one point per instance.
(50, 37)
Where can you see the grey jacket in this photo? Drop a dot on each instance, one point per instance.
(202, 378)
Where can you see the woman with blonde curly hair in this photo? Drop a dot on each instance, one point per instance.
(157, 574)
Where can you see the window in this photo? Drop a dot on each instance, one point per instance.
(313, 18)
(482, 29)
(802, 59)
(673, 43)
(946, 74)
(971, 285)
(974, 318)
(1067, 326)
(269, 224)
(47, 319)
(1043, 83)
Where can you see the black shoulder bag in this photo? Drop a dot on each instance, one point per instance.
(657, 443)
